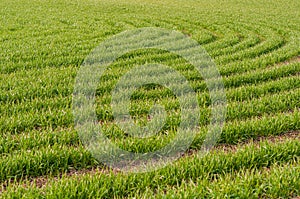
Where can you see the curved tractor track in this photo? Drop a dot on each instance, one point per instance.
(255, 46)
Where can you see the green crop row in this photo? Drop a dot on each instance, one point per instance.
(267, 104)
(246, 92)
(37, 138)
(39, 113)
(44, 161)
(276, 182)
(252, 77)
(30, 159)
(250, 39)
(22, 122)
(255, 46)
(233, 132)
(212, 166)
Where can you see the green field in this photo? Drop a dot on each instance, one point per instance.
(255, 45)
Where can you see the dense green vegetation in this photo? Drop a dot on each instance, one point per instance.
(255, 45)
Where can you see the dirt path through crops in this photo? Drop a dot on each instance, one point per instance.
(42, 181)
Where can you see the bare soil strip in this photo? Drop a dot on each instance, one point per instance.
(42, 181)
(257, 141)
(292, 60)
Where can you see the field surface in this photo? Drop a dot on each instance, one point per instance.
(255, 45)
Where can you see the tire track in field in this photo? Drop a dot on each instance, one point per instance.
(237, 85)
(42, 181)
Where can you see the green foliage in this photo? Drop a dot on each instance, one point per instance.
(255, 45)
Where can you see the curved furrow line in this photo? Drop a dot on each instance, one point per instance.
(55, 50)
(286, 52)
(186, 169)
(255, 47)
(268, 104)
(253, 123)
(250, 39)
(45, 85)
(38, 112)
(259, 75)
(219, 28)
(238, 184)
(49, 159)
(138, 22)
(238, 94)
(15, 92)
(35, 139)
(48, 82)
(204, 36)
(270, 44)
(256, 50)
(226, 36)
(234, 131)
(261, 62)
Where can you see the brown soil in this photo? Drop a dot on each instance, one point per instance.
(43, 180)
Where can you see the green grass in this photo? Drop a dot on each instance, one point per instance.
(255, 45)
(215, 167)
